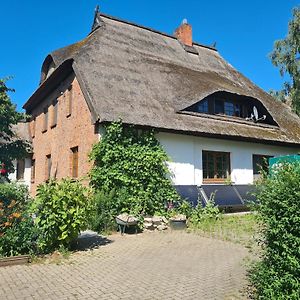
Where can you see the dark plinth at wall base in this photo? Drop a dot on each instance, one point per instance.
(15, 260)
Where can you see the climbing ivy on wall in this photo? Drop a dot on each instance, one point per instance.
(131, 161)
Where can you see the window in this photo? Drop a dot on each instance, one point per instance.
(74, 162)
(202, 106)
(219, 107)
(231, 105)
(69, 100)
(45, 124)
(260, 163)
(54, 113)
(20, 169)
(32, 170)
(216, 166)
(48, 166)
(33, 128)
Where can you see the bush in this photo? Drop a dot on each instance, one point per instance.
(62, 210)
(277, 275)
(201, 214)
(17, 231)
(131, 162)
(104, 211)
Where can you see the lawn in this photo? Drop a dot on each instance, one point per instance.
(241, 229)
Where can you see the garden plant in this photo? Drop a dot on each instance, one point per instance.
(277, 274)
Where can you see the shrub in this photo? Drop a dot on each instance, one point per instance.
(209, 212)
(20, 238)
(131, 162)
(277, 275)
(104, 211)
(62, 210)
(17, 231)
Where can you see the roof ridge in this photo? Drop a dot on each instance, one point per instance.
(151, 29)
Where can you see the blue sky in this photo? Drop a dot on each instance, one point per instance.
(244, 31)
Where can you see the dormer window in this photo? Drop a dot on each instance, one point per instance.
(202, 106)
(225, 104)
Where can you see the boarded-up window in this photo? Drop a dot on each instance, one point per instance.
(74, 162)
(69, 100)
(216, 165)
(54, 113)
(45, 121)
(48, 167)
(32, 170)
(20, 169)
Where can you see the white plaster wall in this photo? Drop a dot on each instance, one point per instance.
(185, 153)
(27, 173)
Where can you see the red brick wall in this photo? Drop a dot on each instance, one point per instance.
(75, 130)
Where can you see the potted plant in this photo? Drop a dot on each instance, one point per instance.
(177, 220)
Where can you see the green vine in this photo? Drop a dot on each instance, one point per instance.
(132, 163)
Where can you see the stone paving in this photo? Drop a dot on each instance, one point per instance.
(158, 265)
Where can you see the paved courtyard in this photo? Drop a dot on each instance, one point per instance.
(161, 265)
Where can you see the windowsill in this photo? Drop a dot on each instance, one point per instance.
(215, 181)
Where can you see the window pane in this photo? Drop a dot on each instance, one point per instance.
(229, 109)
(260, 162)
(204, 164)
(219, 107)
(216, 165)
(238, 110)
(202, 106)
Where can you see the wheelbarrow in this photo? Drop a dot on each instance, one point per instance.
(125, 220)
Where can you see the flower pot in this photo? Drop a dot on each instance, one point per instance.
(177, 224)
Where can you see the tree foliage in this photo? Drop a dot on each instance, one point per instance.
(277, 275)
(132, 163)
(286, 56)
(11, 147)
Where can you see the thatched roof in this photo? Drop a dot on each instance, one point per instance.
(147, 78)
(22, 131)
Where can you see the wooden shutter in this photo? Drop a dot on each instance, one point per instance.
(20, 169)
(45, 124)
(32, 170)
(54, 113)
(75, 162)
(69, 101)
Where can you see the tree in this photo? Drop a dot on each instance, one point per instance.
(286, 56)
(11, 147)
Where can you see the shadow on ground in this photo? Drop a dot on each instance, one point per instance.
(88, 240)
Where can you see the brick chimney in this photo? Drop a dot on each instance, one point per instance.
(184, 33)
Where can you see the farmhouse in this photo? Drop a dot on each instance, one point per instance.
(214, 123)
